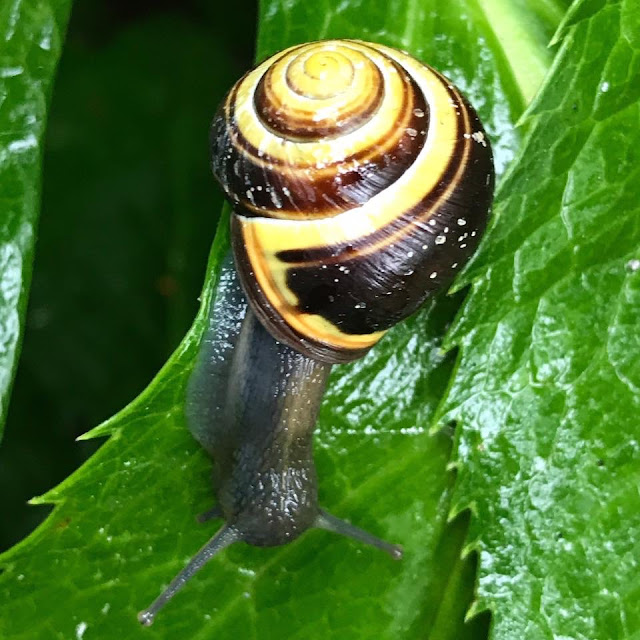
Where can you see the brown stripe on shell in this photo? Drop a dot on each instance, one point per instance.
(370, 285)
(270, 317)
(412, 98)
(416, 216)
(284, 122)
(240, 169)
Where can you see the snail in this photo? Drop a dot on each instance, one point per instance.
(360, 181)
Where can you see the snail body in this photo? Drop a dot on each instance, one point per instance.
(264, 474)
(361, 181)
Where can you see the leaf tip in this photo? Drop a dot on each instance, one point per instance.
(102, 430)
(47, 499)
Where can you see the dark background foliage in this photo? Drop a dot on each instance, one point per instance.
(129, 211)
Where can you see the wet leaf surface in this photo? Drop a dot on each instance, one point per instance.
(547, 389)
(124, 523)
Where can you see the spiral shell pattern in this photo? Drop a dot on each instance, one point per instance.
(361, 181)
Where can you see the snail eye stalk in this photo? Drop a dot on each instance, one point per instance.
(226, 536)
(330, 523)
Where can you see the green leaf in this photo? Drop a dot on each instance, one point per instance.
(124, 523)
(547, 390)
(31, 34)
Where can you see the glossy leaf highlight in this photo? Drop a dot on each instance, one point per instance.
(31, 35)
(547, 391)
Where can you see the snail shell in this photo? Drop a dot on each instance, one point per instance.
(361, 181)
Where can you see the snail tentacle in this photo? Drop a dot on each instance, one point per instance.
(224, 537)
(329, 522)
